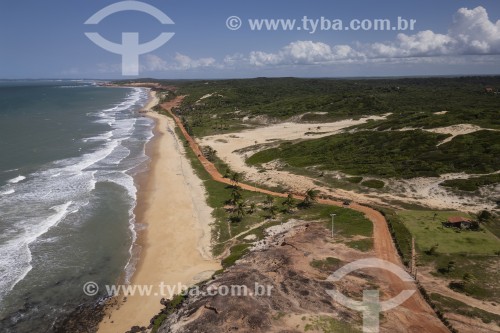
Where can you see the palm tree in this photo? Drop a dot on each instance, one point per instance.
(240, 209)
(235, 178)
(235, 194)
(310, 197)
(269, 200)
(273, 210)
(210, 153)
(252, 208)
(289, 202)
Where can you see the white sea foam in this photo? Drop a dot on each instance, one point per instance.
(7, 192)
(48, 196)
(16, 180)
(102, 137)
(17, 249)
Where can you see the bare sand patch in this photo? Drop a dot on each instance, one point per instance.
(233, 149)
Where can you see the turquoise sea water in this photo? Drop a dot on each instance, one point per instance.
(68, 155)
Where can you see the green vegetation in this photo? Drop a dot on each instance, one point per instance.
(348, 222)
(427, 229)
(400, 233)
(474, 275)
(364, 245)
(354, 180)
(411, 102)
(222, 106)
(391, 154)
(450, 305)
(170, 307)
(329, 264)
(237, 252)
(493, 225)
(373, 183)
(327, 324)
(466, 259)
(258, 207)
(472, 184)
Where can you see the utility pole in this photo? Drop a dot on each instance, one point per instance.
(333, 217)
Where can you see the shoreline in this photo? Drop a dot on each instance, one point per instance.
(172, 239)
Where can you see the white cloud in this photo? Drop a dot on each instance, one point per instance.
(304, 53)
(154, 63)
(185, 62)
(235, 60)
(471, 33)
(474, 32)
(179, 62)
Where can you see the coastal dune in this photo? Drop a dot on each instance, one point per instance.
(175, 245)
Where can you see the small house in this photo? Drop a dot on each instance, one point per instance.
(460, 222)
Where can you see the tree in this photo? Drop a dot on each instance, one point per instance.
(252, 208)
(310, 197)
(209, 153)
(269, 200)
(273, 210)
(235, 178)
(484, 216)
(289, 203)
(240, 209)
(235, 194)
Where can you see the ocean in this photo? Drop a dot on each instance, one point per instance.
(69, 152)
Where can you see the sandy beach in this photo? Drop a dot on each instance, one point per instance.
(175, 244)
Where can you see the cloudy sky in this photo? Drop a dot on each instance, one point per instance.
(221, 39)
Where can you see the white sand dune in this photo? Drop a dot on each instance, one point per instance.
(235, 148)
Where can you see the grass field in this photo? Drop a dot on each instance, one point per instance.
(449, 305)
(466, 252)
(429, 231)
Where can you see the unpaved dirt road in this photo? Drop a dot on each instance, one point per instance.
(420, 317)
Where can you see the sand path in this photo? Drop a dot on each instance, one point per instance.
(436, 285)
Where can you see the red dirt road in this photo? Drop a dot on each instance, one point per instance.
(418, 314)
